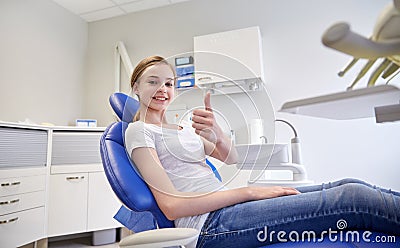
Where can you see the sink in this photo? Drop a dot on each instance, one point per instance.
(257, 156)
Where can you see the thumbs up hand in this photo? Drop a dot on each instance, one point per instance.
(216, 143)
(204, 122)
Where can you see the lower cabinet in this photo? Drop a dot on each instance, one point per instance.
(80, 202)
(22, 206)
(52, 184)
(102, 203)
(67, 203)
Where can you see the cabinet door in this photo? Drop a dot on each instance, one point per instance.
(67, 203)
(102, 204)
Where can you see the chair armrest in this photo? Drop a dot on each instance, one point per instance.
(164, 237)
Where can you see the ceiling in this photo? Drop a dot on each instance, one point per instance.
(94, 10)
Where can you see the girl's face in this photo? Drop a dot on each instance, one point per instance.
(156, 87)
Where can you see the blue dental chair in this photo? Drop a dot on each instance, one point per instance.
(140, 212)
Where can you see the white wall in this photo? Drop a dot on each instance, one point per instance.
(43, 50)
(297, 65)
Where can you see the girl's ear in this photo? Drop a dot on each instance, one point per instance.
(135, 89)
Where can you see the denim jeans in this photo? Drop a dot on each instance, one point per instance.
(348, 204)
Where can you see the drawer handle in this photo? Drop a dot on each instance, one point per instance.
(8, 221)
(75, 178)
(10, 184)
(9, 202)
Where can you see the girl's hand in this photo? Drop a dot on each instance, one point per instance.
(260, 193)
(205, 124)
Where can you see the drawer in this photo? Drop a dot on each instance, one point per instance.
(21, 228)
(20, 185)
(16, 203)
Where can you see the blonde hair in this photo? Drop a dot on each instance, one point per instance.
(141, 67)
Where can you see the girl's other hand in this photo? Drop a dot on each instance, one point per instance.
(260, 193)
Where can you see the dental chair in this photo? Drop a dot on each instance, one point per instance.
(138, 200)
(139, 204)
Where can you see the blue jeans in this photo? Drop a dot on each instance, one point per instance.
(348, 204)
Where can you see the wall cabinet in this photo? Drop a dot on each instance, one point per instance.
(229, 58)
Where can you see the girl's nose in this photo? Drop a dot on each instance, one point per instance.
(163, 88)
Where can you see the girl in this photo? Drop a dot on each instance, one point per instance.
(171, 159)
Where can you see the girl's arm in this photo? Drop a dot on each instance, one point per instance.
(175, 204)
(223, 149)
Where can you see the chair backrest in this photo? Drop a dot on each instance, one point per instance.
(125, 181)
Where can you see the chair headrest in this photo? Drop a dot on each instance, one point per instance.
(124, 106)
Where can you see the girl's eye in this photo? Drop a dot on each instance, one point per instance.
(152, 82)
(169, 84)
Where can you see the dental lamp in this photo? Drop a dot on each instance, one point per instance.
(384, 43)
(381, 101)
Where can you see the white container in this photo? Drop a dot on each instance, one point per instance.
(104, 237)
(256, 129)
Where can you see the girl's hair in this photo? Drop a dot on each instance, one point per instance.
(141, 67)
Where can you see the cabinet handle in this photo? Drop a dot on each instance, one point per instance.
(8, 221)
(9, 202)
(10, 184)
(75, 178)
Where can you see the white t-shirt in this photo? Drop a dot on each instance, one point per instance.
(181, 153)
